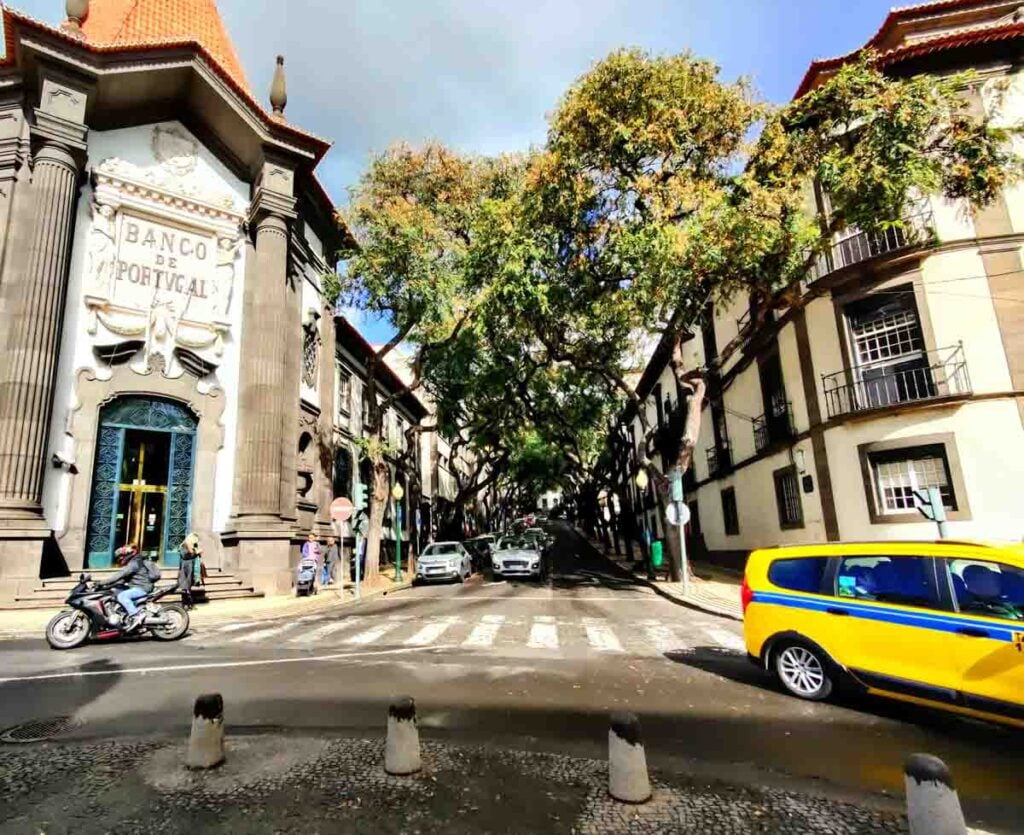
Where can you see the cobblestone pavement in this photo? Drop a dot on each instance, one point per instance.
(276, 783)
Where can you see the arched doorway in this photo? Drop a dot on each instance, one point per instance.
(142, 479)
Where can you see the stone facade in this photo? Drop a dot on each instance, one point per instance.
(158, 285)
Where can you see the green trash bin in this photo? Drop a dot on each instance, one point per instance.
(657, 553)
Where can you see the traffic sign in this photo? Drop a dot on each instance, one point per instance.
(678, 513)
(341, 509)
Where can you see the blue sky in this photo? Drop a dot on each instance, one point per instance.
(482, 74)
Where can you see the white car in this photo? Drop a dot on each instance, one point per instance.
(516, 556)
(444, 561)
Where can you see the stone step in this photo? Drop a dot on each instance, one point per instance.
(55, 603)
(63, 583)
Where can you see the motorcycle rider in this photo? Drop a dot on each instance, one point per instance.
(134, 576)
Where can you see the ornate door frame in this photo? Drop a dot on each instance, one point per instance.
(153, 414)
(92, 391)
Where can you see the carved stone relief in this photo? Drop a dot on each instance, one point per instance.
(162, 256)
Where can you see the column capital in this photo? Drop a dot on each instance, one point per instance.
(269, 204)
(57, 134)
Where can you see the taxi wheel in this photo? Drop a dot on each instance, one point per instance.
(804, 671)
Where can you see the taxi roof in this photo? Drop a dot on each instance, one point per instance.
(1013, 550)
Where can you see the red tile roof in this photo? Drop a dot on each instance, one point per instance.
(135, 23)
(965, 36)
(12, 18)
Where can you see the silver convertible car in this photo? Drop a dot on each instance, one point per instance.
(516, 556)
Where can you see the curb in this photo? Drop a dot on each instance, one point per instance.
(689, 603)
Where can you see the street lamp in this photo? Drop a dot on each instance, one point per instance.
(397, 493)
(642, 481)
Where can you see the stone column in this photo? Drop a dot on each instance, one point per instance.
(34, 293)
(293, 336)
(259, 540)
(263, 362)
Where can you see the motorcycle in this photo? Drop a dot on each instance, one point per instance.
(96, 613)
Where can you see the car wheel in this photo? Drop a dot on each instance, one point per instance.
(804, 671)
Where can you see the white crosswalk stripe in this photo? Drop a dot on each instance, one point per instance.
(326, 630)
(374, 633)
(662, 637)
(485, 631)
(726, 640)
(265, 634)
(431, 632)
(543, 633)
(600, 636)
(647, 637)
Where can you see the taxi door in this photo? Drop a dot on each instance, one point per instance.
(990, 636)
(898, 638)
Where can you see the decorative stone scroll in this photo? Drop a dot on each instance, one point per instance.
(162, 255)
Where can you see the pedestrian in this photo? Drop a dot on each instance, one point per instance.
(190, 553)
(311, 548)
(331, 560)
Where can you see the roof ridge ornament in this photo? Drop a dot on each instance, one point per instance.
(77, 11)
(279, 90)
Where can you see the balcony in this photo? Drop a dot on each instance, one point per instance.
(775, 427)
(931, 376)
(719, 460)
(918, 228)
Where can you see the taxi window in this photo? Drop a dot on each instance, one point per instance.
(901, 580)
(799, 574)
(990, 589)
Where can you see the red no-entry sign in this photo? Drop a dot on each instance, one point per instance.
(341, 509)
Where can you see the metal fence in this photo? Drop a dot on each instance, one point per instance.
(935, 374)
(770, 428)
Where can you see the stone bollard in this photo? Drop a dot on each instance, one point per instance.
(933, 806)
(627, 763)
(402, 749)
(206, 744)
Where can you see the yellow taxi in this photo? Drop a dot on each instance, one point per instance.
(937, 623)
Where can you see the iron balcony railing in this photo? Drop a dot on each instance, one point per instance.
(931, 375)
(773, 427)
(719, 459)
(917, 228)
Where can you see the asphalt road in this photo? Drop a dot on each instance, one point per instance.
(537, 666)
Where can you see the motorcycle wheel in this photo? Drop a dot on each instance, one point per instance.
(178, 626)
(68, 630)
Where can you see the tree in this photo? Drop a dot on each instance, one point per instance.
(650, 199)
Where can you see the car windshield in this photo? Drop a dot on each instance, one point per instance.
(441, 549)
(513, 543)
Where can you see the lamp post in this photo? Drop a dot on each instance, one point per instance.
(642, 481)
(397, 493)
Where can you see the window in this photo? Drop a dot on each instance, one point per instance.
(805, 574)
(730, 514)
(787, 497)
(990, 589)
(897, 473)
(344, 392)
(310, 354)
(903, 580)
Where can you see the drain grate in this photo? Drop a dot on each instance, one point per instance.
(38, 730)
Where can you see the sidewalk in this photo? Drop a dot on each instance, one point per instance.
(276, 783)
(16, 623)
(712, 590)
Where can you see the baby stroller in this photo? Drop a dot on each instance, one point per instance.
(305, 577)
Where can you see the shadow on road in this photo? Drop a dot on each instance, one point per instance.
(30, 700)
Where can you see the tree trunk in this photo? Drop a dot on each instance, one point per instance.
(378, 503)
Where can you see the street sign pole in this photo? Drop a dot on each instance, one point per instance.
(676, 481)
(359, 573)
(398, 542)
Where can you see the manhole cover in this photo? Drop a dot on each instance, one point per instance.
(38, 730)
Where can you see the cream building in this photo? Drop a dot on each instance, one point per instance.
(904, 369)
(162, 238)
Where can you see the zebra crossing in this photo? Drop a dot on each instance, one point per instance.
(530, 633)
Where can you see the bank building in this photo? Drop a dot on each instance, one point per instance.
(162, 239)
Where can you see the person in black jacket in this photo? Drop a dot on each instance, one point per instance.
(134, 576)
